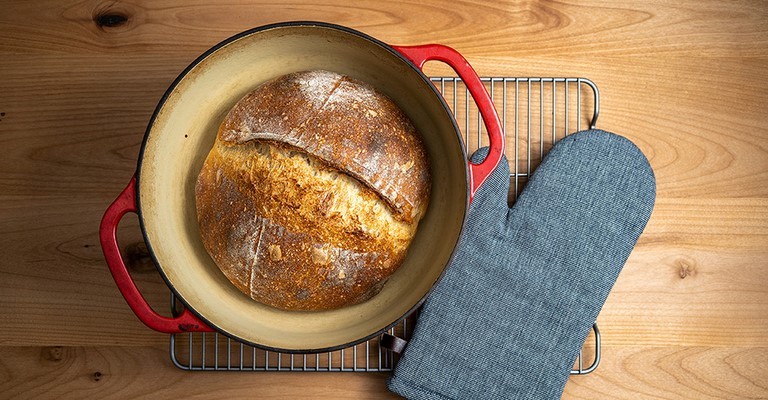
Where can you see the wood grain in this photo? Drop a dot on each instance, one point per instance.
(521, 28)
(143, 372)
(671, 372)
(687, 81)
(138, 372)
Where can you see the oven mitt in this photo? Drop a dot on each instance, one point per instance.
(518, 299)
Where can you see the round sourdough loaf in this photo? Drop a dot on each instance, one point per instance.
(312, 191)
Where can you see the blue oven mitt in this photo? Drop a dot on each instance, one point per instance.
(516, 303)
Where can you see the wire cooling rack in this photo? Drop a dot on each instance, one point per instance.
(535, 113)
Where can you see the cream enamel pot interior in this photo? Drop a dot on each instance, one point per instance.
(181, 133)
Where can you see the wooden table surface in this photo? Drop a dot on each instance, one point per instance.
(687, 81)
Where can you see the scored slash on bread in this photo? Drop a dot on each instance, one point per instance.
(312, 192)
(345, 123)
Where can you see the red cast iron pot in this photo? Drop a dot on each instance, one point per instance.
(182, 131)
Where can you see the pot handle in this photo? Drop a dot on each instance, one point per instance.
(186, 321)
(418, 55)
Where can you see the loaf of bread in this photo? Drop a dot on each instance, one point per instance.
(312, 192)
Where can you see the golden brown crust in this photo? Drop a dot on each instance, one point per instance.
(313, 111)
(292, 229)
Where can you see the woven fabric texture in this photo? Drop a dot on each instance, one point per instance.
(519, 298)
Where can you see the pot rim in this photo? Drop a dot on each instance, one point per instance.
(161, 104)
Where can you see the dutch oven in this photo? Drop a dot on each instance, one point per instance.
(182, 130)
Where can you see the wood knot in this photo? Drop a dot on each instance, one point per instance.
(137, 258)
(686, 268)
(111, 20)
(97, 376)
(111, 16)
(55, 353)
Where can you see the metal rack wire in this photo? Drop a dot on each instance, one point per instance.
(535, 113)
